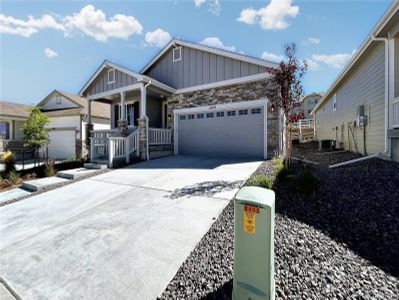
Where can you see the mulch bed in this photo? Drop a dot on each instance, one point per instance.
(340, 243)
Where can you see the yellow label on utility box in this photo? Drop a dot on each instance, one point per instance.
(250, 213)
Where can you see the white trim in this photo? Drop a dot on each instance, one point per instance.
(233, 55)
(226, 106)
(180, 56)
(108, 73)
(58, 99)
(158, 84)
(131, 87)
(164, 109)
(108, 64)
(224, 83)
(363, 47)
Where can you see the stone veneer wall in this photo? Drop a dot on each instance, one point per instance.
(235, 93)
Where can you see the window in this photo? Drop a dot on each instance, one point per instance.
(176, 54)
(182, 117)
(129, 113)
(231, 113)
(200, 116)
(111, 76)
(335, 102)
(256, 111)
(58, 99)
(242, 112)
(4, 130)
(220, 114)
(190, 117)
(209, 115)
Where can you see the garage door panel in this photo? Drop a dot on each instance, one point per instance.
(62, 144)
(229, 136)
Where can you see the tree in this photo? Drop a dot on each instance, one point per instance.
(287, 78)
(35, 133)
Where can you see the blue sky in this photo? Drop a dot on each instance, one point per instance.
(64, 42)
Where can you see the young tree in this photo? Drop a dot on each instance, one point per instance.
(35, 133)
(288, 84)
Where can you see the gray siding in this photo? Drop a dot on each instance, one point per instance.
(154, 112)
(100, 84)
(363, 86)
(199, 67)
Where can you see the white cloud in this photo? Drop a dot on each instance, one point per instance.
(50, 53)
(272, 57)
(94, 23)
(90, 21)
(198, 3)
(272, 16)
(11, 25)
(217, 43)
(312, 65)
(215, 7)
(157, 38)
(312, 40)
(336, 61)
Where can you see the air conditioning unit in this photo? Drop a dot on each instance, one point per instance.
(361, 119)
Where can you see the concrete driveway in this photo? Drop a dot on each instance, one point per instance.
(119, 235)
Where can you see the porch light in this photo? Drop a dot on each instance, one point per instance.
(169, 117)
(272, 107)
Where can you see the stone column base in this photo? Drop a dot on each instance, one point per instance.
(122, 125)
(143, 138)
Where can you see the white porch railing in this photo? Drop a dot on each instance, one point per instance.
(303, 130)
(395, 113)
(159, 136)
(106, 133)
(114, 147)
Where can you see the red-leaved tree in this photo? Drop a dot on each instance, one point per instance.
(288, 84)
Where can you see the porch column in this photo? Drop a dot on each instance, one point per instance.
(122, 124)
(143, 123)
(89, 125)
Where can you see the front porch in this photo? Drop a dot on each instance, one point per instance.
(138, 126)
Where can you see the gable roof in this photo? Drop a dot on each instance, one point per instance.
(9, 109)
(234, 55)
(378, 29)
(109, 64)
(98, 109)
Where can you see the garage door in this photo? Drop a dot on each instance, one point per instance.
(62, 144)
(226, 130)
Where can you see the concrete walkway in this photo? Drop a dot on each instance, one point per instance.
(119, 235)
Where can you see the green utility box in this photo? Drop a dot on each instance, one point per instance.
(254, 244)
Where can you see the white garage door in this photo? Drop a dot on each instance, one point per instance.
(228, 130)
(62, 144)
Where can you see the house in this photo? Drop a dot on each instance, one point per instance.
(360, 111)
(307, 104)
(12, 116)
(68, 118)
(189, 99)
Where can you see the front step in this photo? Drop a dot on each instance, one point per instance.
(96, 165)
(77, 173)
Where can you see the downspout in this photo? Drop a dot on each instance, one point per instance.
(147, 155)
(386, 41)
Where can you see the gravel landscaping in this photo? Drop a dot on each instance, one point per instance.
(340, 243)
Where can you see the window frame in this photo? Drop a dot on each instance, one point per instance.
(58, 99)
(180, 54)
(219, 114)
(109, 72)
(256, 111)
(335, 102)
(231, 113)
(244, 112)
(210, 115)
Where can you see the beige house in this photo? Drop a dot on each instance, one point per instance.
(307, 104)
(68, 118)
(12, 116)
(360, 111)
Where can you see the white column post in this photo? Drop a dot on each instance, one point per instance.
(89, 110)
(143, 101)
(123, 108)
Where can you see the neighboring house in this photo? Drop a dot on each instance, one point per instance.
(214, 101)
(12, 116)
(307, 104)
(360, 111)
(68, 118)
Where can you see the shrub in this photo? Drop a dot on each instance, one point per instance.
(261, 181)
(8, 158)
(13, 177)
(279, 167)
(50, 169)
(307, 181)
